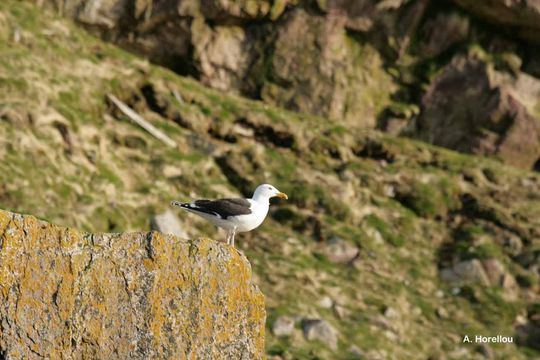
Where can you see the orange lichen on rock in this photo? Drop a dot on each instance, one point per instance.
(139, 295)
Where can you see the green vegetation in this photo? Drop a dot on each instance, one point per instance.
(384, 229)
(431, 199)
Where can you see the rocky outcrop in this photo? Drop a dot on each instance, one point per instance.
(325, 71)
(486, 272)
(364, 63)
(65, 294)
(471, 107)
(305, 61)
(110, 14)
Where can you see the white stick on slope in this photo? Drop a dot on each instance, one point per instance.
(130, 113)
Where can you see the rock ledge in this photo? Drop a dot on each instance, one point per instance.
(65, 294)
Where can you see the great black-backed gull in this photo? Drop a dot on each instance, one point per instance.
(235, 215)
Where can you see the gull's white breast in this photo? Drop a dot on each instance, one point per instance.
(249, 222)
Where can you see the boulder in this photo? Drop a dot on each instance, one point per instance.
(468, 271)
(360, 15)
(471, 107)
(443, 31)
(321, 330)
(495, 271)
(325, 302)
(168, 223)
(397, 19)
(67, 294)
(283, 326)
(338, 251)
(222, 54)
(316, 67)
(486, 272)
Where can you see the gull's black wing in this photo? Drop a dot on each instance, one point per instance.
(222, 208)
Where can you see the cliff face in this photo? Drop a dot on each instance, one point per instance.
(362, 63)
(123, 296)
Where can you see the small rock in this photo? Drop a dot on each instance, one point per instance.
(390, 335)
(391, 313)
(168, 223)
(416, 311)
(498, 276)
(283, 326)
(375, 235)
(341, 312)
(170, 171)
(494, 270)
(513, 244)
(321, 330)
(469, 271)
(355, 352)
(381, 322)
(340, 251)
(395, 126)
(326, 302)
(442, 313)
(510, 287)
(389, 190)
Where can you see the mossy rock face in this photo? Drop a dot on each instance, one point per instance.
(120, 296)
(317, 68)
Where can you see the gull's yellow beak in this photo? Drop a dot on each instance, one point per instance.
(282, 195)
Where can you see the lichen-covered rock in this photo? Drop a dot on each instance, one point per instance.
(69, 295)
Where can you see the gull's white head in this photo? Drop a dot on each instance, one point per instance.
(267, 191)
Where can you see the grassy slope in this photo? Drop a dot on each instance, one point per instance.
(69, 157)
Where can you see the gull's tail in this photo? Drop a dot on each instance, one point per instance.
(192, 208)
